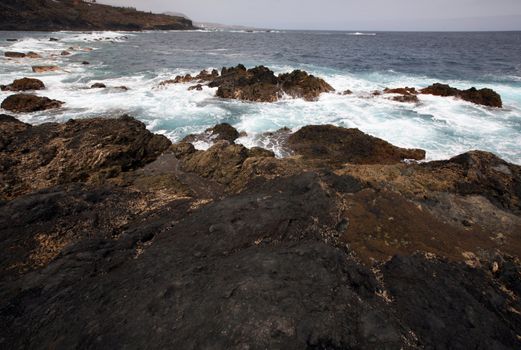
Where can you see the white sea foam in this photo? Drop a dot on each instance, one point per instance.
(443, 126)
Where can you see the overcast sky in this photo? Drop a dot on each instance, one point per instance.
(346, 14)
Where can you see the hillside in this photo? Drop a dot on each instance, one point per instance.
(50, 15)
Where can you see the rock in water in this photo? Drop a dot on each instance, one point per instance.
(44, 69)
(219, 132)
(300, 84)
(260, 84)
(331, 144)
(485, 97)
(24, 84)
(12, 54)
(29, 103)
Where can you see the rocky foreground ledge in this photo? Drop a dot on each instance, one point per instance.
(112, 237)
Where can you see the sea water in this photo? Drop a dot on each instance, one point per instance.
(360, 62)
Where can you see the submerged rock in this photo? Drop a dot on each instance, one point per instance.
(485, 97)
(331, 144)
(12, 54)
(44, 69)
(98, 86)
(24, 84)
(29, 103)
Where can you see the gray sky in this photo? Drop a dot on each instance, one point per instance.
(346, 14)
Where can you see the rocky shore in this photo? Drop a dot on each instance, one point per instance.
(112, 237)
(53, 15)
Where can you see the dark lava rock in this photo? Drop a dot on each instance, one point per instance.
(300, 84)
(110, 237)
(406, 98)
(44, 69)
(197, 87)
(98, 86)
(482, 173)
(24, 84)
(65, 53)
(29, 103)
(333, 144)
(85, 63)
(12, 54)
(77, 151)
(261, 85)
(53, 39)
(219, 132)
(401, 91)
(12, 40)
(485, 97)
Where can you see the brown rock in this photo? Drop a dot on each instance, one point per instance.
(301, 84)
(406, 98)
(44, 69)
(77, 151)
(65, 53)
(219, 132)
(335, 145)
(485, 97)
(12, 54)
(24, 85)
(98, 86)
(33, 55)
(29, 103)
(401, 91)
(197, 87)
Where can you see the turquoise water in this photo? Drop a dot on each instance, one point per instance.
(360, 62)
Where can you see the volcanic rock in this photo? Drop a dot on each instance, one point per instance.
(12, 54)
(406, 98)
(44, 69)
(98, 86)
(328, 143)
(24, 85)
(76, 151)
(301, 84)
(65, 53)
(29, 103)
(197, 87)
(485, 97)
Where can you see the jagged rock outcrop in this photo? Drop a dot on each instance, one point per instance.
(50, 15)
(76, 151)
(233, 248)
(260, 84)
(485, 97)
(257, 84)
(29, 103)
(219, 132)
(24, 84)
(331, 144)
(45, 69)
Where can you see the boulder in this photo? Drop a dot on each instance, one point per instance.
(219, 132)
(302, 85)
(24, 84)
(44, 69)
(98, 86)
(85, 63)
(485, 97)
(12, 54)
(197, 87)
(29, 103)
(65, 53)
(406, 98)
(33, 55)
(336, 145)
(89, 150)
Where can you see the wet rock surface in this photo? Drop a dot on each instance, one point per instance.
(339, 145)
(29, 103)
(24, 84)
(232, 248)
(258, 84)
(485, 97)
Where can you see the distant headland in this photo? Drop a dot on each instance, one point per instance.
(51, 15)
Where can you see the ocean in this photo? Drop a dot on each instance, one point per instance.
(360, 62)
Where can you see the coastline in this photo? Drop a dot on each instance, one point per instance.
(315, 236)
(223, 228)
